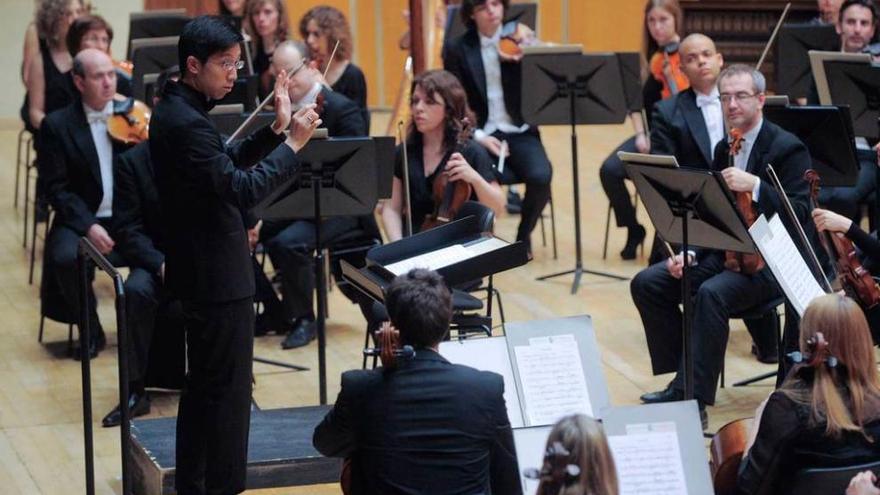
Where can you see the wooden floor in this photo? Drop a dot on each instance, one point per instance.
(41, 445)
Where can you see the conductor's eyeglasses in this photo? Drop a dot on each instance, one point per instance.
(228, 65)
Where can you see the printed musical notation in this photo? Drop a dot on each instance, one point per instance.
(648, 463)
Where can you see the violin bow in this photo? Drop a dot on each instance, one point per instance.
(773, 36)
(330, 61)
(407, 226)
(800, 229)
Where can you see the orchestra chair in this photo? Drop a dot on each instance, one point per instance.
(49, 214)
(828, 481)
(25, 144)
(755, 313)
(608, 227)
(509, 178)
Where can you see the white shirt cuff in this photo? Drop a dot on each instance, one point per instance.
(479, 134)
(756, 190)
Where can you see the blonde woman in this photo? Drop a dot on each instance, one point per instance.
(578, 441)
(823, 416)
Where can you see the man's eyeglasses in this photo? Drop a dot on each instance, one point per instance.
(726, 98)
(228, 65)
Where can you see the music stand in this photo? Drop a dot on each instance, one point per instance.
(630, 74)
(828, 134)
(338, 177)
(151, 56)
(793, 75)
(572, 89)
(690, 207)
(245, 90)
(858, 85)
(155, 24)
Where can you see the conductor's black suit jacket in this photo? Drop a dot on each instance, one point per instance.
(428, 427)
(203, 187)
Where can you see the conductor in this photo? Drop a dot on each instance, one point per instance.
(203, 186)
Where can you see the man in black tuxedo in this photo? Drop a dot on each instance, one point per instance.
(140, 241)
(426, 425)
(688, 126)
(76, 165)
(721, 292)
(203, 185)
(290, 243)
(493, 84)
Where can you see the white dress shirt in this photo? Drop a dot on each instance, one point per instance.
(710, 106)
(498, 118)
(97, 120)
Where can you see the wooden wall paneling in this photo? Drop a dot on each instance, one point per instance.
(193, 7)
(601, 28)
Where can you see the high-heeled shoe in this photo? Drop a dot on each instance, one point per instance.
(634, 238)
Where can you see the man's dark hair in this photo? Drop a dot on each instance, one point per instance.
(204, 36)
(82, 25)
(868, 4)
(468, 7)
(420, 307)
(162, 81)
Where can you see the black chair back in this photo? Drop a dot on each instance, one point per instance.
(828, 481)
(485, 215)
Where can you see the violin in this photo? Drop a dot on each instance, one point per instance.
(856, 281)
(389, 350)
(130, 123)
(126, 67)
(665, 67)
(513, 36)
(449, 196)
(742, 262)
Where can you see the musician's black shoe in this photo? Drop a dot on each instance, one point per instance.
(138, 405)
(669, 394)
(267, 322)
(514, 203)
(97, 344)
(303, 332)
(634, 238)
(766, 356)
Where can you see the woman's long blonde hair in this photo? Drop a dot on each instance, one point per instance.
(584, 439)
(846, 396)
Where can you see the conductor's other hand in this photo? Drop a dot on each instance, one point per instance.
(303, 125)
(282, 103)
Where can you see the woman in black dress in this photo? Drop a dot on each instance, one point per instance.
(439, 143)
(266, 23)
(824, 416)
(320, 28)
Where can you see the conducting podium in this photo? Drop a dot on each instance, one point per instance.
(460, 251)
(562, 86)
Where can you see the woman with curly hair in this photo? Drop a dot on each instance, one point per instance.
(321, 27)
(47, 87)
(578, 441)
(266, 22)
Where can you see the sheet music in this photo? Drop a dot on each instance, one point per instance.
(488, 355)
(786, 262)
(446, 256)
(649, 463)
(552, 379)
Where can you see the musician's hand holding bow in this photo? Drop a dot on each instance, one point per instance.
(739, 180)
(493, 145)
(827, 220)
(675, 264)
(864, 483)
(100, 238)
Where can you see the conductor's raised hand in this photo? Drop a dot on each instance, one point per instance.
(302, 126)
(282, 103)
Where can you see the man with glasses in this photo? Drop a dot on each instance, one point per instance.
(203, 186)
(720, 292)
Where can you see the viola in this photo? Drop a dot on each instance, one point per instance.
(449, 196)
(742, 262)
(130, 123)
(856, 281)
(665, 67)
(511, 39)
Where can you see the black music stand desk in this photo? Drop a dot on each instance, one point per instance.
(793, 74)
(339, 177)
(856, 84)
(572, 89)
(827, 132)
(690, 207)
